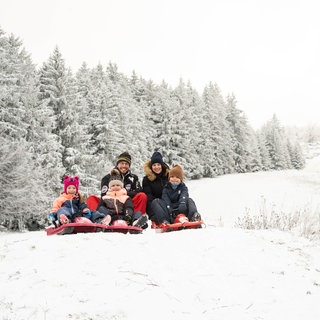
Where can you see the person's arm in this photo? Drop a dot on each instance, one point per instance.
(135, 187)
(128, 210)
(146, 188)
(165, 196)
(183, 200)
(104, 184)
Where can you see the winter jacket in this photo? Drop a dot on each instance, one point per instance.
(152, 183)
(118, 203)
(130, 181)
(69, 201)
(176, 199)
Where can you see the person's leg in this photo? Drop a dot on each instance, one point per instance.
(193, 214)
(64, 215)
(160, 210)
(140, 220)
(140, 202)
(98, 215)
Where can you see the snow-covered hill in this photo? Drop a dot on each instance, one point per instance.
(213, 273)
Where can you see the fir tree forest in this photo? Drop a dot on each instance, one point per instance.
(54, 122)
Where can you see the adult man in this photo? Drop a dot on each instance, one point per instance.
(130, 181)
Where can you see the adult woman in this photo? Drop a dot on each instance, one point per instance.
(156, 176)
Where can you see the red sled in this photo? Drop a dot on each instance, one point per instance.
(181, 222)
(92, 202)
(84, 225)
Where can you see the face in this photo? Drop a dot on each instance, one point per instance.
(174, 179)
(116, 187)
(123, 167)
(156, 168)
(71, 189)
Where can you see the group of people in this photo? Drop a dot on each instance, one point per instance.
(162, 197)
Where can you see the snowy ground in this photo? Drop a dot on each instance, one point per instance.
(213, 273)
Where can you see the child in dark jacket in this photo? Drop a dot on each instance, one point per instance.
(175, 200)
(117, 205)
(70, 204)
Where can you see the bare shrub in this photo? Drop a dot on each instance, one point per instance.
(303, 222)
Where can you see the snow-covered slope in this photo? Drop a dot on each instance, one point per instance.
(213, 273)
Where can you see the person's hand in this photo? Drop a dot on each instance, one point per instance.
(52, 217)
(127, 218)
(87, 213)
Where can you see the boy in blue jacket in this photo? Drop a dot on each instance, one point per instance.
(175, 200)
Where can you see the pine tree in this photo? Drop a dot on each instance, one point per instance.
(276, 145)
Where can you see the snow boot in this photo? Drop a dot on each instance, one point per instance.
(141, 222)
(63, 219)
(106, 220)
(196, 217)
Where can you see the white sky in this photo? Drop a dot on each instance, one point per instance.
(264, 51)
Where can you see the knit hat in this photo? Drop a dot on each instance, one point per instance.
(115, 178)
(176, 171)
(71, 181)
(125, 156)
(156, 158)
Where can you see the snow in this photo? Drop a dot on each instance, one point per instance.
(220, 272)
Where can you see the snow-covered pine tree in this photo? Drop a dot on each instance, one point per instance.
(239, 132)
(276, 144)
(218, 134)
(189, 134)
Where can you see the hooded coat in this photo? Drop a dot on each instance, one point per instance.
(153, 184)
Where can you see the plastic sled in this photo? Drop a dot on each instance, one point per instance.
(92, 202)
(181, 222)
(84, 225)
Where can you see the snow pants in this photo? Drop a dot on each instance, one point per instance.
(161, 212)
(140, 202)
(95, 215)
(68, 212)
(102, 211)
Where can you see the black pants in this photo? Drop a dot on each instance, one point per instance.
(161, 212)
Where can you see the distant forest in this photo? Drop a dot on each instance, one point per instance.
(54, 122)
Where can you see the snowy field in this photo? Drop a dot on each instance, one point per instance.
(220, 272)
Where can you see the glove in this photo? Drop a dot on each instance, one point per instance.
(52, 217)
(127, 218)
(88, 214)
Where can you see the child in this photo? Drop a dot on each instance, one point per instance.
(175, 200)
(70, 204)
(117, 205)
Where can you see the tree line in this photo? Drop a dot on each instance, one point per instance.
(56, 122)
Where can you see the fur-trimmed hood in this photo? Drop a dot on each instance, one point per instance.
(150, 174)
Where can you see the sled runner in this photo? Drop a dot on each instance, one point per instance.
(84, 225)
(181, 222)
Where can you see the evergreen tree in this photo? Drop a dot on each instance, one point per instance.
(276, 145)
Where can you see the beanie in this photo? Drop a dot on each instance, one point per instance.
(176, 171)
(156, 158)
(115, 178)
(125, 156)
(71, 181)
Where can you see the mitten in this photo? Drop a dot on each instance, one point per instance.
(127, 218)
(52, 217)
(88, 214)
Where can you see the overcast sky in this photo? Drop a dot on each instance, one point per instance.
(267, 52)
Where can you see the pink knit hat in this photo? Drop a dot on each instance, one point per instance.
(71, 181)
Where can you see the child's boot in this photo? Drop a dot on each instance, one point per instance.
(141, 222)
(63, 219)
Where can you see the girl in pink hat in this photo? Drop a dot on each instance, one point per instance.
(70, 203)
